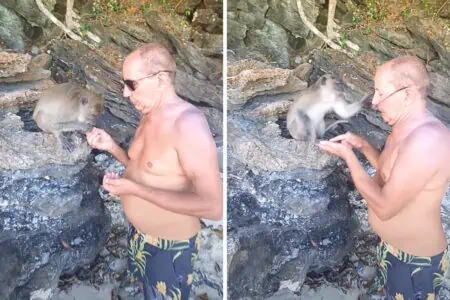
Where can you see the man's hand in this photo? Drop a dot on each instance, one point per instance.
(351, 139)
(342, 149)
(99, 139)
(118, 186)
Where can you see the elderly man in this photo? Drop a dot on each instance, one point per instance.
(172, 175)
(413, 171)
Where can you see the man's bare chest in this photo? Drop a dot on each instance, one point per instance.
(154, 151)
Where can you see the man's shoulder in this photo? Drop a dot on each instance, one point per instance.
(431, 136)
(192, 121)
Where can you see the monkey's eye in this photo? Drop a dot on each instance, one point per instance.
(84, 100)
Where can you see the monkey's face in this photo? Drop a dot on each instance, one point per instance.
(330, 89)
(91, 107)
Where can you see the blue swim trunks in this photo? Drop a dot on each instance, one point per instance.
(163, 266)
(410, 277)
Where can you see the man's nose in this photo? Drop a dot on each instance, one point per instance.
(375, 101)
(126, 91)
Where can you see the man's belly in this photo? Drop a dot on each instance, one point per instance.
(154, 220)
(418, 232)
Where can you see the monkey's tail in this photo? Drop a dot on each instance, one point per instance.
(334, 124)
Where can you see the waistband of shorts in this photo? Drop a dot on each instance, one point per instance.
(162, 243)
(401, 255)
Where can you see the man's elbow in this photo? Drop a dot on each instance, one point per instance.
(385, 214)
(216, 213)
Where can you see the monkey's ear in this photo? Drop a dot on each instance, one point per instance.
(84, 100)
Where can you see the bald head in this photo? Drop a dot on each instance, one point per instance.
(407, 71)
(154, 57)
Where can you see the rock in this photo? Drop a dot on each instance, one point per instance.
(187, 5)
(445, 12)
(285, 13)
(53, 208)
(104, 252)
(276, 225)
(179, 36)
(118, 265)
(367, 272)
(29, 11)
(303, 71)
(236, 34)
(249, 78)
(208, 19)
(439, 88)
(209, 264)
(23, 93)
(432, 31)
(13, 63)
(35, 50)
(212, 42)
(12, 30)
(33, 75)
(40, 61)
(272, 41)
(404, 40)
(217, 5)
(199, 91)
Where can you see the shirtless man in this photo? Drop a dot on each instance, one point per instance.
(413, 172)
(172, 175)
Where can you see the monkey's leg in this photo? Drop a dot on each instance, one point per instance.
(321, 128)
(346, 110)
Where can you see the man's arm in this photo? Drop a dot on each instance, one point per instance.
(198, 157)
(417, 161)
(119, 153)
(371, 154)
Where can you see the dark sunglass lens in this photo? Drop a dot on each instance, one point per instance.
(129, 84)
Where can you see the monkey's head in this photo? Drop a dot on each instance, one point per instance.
(329, 87)
(91, 106)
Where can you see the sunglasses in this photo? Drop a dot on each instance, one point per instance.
(132, 85)
(391, 94)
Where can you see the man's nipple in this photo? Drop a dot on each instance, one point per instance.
(150, 164)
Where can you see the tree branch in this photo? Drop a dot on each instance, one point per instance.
(311, 27)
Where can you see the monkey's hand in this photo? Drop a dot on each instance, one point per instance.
(98, 138)
(353, 140)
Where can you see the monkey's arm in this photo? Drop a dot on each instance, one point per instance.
(346, 110)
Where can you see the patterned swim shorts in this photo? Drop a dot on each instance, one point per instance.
(163, 266)
(406, 276)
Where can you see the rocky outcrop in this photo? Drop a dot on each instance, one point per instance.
(272, 29)
(52, 203)
(250, 78)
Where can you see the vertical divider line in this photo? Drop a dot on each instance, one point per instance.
(225, 152)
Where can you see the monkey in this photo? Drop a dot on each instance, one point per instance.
(305, 118)
(65, 108)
